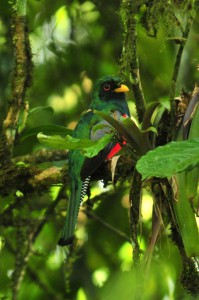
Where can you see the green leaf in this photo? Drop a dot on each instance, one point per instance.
(156, 120)
(99, 145)
(125, 130)
(136, 135)
(40, 108)
(186, 184)
(189, 114)
(185, 217)
(50, 129)
(152, 129)
(88, 147)
(55, 141)
(192, 177)
(194, 131)
(68, 142)
(170, 159)
(151, 109)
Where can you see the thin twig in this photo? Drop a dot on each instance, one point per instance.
(90, 214)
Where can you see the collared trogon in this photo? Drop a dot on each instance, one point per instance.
(109, 97)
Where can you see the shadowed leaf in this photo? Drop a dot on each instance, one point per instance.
(191, 109)
(134, 137)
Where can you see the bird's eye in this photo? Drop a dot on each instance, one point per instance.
(106, 87)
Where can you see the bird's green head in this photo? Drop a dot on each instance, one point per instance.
(107, 91)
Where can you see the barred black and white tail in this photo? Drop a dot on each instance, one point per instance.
(84, 188)
(78, 191)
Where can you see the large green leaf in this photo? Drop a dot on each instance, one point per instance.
(185, 217)
(88, 147)
(170, 159)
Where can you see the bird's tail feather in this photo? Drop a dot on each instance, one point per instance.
(78, 192)
(71, 217)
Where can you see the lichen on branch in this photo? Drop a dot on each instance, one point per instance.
(22, 74)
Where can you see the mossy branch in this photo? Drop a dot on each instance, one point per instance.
(135, 203)
(29, 179)
(42, 156)
(21, 7)
(129, 63)
(22, 71)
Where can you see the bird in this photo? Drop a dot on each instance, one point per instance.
(109, 96)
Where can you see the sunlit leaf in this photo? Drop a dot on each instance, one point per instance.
(185, 218)
(88, 147)
(151, 128)
(40, 108)
(169, 159)
(68, 142)
(98, 145)
(192, 177)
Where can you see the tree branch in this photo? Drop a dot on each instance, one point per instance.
(22, 72)
(41, 156)
(129, 59)
(135, 207)
(27, 179)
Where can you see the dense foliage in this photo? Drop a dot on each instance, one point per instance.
(44, 88)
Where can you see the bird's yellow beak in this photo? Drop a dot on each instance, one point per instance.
(122, 89)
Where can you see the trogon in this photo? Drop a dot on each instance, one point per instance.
(109, 97)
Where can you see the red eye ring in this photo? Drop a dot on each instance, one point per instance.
(106, 87)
